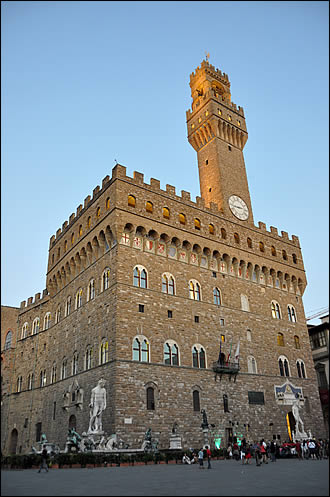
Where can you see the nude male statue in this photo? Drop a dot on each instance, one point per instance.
(97, 405)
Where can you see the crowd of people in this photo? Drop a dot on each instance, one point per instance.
(262, 452)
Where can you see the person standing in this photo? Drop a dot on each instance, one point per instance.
(257, 453)
(298, 450)
(200, 458)
(44, 456)
(273, 451)
(208, 455)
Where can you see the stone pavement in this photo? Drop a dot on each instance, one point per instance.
(285, 477)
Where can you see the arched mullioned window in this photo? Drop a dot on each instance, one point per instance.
(252, 365)
(88, 357)
(284, 366)
(98, 212)
(104, 351)
(64, 370)
(194, 290)
(182, 219)
(196, 401)
(25, 330)
(150, 393)
(140, 278)
(171, 353)
(68, 306)
(149, 206)
(75, 363)
(72, 239)
(105, 279)
(80, 231)
(91, 290)
(261, 247)
(35, 326)
(8, 340)
(211, 229)
(236, 238)
(292, 314)
(65, 245)
(19, 384)
(79, 298)
(280, 339)
(43, 378)
(216, 296)
(47, 319)
(58, 314)
(30, 381)
(107, 204)
(141, 349)
(198, 357)
(249, 242)
(273, 251)
(197, 224)
(223, 233)
(131, 201)
(276, 310)
(166, 212)
(301, 368)
(53, 373)
(89, 222)
(294, 258)
(296, 342)
(284, 255)
(168, 284)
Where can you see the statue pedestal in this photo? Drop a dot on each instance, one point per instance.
(206, 436)
(175, 442)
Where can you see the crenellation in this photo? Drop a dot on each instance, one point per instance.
(118, 171)
(87, 201)
(138, 177)
(30, 300)
(37, 297)
(295, 240)
(170, 189)
(79, 209)
(23, 304)
(214, 207)
(58, 232)
(52, 241)
(200, 202)
(155, 183)
(71, 218)
(262, 226)
(185, 195)
(44, 293)
(96, 191)
(64, 226)
(274, 230)
(285, 235)
(105, 181)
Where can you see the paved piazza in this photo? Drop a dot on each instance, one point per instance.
(285, 477)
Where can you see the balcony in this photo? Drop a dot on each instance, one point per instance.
(230, 368)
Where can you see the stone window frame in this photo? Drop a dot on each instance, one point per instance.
(68, 304)
(88, 358)
(195, 290)
(245, 304)
(104, 351)
(301, 368)
(292, 315)
(171, 344)
(105, 280)
(167, 277)
(283, 358)
(217, 297)
(91, 289)
(25, 330)
(78, 298)
(198, 347)
(141, 339)
(139, 277)
(8, 340)
(47, 320)
(276, 310)
(36, 326)
(252, 365)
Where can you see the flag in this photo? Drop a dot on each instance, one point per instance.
(228, 357)
(237, 353)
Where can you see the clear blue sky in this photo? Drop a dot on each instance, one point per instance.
(85, 83)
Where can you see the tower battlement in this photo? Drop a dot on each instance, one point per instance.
(209, 68)
(38, 299)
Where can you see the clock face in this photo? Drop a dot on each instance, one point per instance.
(238, 207)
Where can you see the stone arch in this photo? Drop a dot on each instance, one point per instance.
(13, 441)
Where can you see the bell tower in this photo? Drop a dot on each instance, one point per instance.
(217, 131)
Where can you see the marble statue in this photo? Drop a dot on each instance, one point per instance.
(97, 405)
(298, 420)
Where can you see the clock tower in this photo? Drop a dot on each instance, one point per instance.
(217, 131)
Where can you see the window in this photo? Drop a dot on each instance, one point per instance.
(294, 258)
(256, 398)
(104, 355)
(196, 319)
(79, 298)
(105, 279)
(47, 321)
(194, 290)
(72, 239)
(91, 290)
(168, 285)
(301, 369)
(58, 315)
(236, 238)
(30, 381)
(68, 306)
(25, 330)
(8, 340)
(141, 350)
(296, 342)
(80, 230)
(261, 247)
(273, 251)
(64, 369)
(198, 357)
(141, 307)
(318, 340)
(53, 374)
(150, 399)
(276, 310)
(284, 255)
(223, 233)
(166, 213)
(211, 229)
(42, 378)
(89, 358)
(169, 314)
(291, 314)
(225, 403)
(35, 326)
(248, 335)
(252, 365)
(19, 384)
(216, 296)
(131, 201)
(249, 243)
(171, 354)
(284, 366)
(196, 401)
(65, 245)
(280, 339)
(75, 363)
(182, 219)
(245, 303)
(89, 222)
(197, 224)
(38, 432)
(107, 204)
(140, 277)
(149, 206)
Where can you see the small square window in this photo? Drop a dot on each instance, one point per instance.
(214, 274)
(222, 322)
(141, 308)
(169, 314)
(196, 319)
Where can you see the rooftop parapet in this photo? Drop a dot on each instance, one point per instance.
(205, 65)
(36, 300)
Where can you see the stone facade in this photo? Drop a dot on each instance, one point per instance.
(142, 263)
